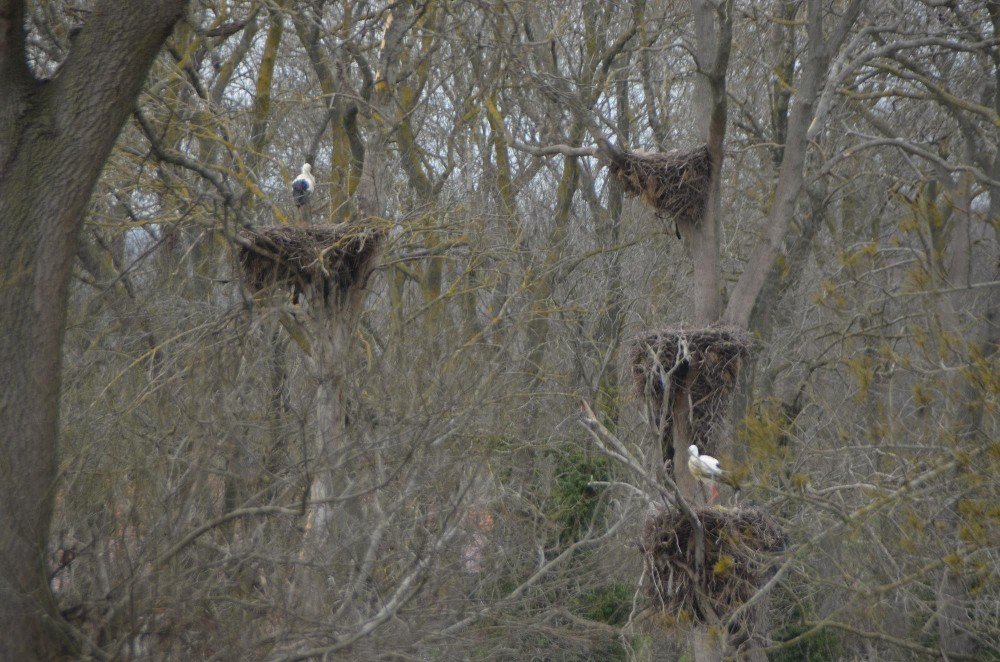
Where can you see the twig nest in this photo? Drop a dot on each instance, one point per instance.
(674, 184)
(324, 257)
(708, 361)
(741, 547)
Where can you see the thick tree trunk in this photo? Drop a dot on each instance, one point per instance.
(713, 48)
(327, 324)
(713, 28)
(953, 615)
(816, 59)
(329, 520)
(54, 139)
(747, 291)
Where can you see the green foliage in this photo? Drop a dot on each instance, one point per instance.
(824, 645)
(573, 504)
(610, 650)
(723, 565)
(610, 603)
(767, 428)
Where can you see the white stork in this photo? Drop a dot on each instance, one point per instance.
(706, 469)
(303, 185)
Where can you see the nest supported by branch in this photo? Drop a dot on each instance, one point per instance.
(674, 184)
(741, 547)
(707, 361)
(321, 258)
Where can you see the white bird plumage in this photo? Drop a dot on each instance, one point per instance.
(303, 185)
(705, 468)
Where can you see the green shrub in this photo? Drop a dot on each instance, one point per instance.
(824, 645)
(574, 502)
(609, 604)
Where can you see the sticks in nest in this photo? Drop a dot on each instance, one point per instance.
(741, 546)
(674, 184)
(663, 363)
(329, 257)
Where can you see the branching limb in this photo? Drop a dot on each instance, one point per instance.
(611, 446)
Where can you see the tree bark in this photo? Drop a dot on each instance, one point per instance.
(330, 521)
(713, 49)
(328, 325)
(713, 29)
(817, 56)
(54, 138)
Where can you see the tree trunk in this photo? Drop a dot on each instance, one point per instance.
(816, 59)
(713, 48)
(329, 521)
(54, 138)
(952, 614)
(327, 324)
(747, 291)
(713, 28)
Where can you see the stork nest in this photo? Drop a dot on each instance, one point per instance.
(707, 360)
(741, 546)
(674, 184)
(323, 258)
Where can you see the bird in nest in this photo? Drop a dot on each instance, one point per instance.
(303, 185)
(706, 469)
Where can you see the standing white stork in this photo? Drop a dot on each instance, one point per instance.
(303, 185)
(706, 469)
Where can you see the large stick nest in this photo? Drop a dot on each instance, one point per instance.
(707, 361)
(741, 548)
(328, 258)
(674, 184)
